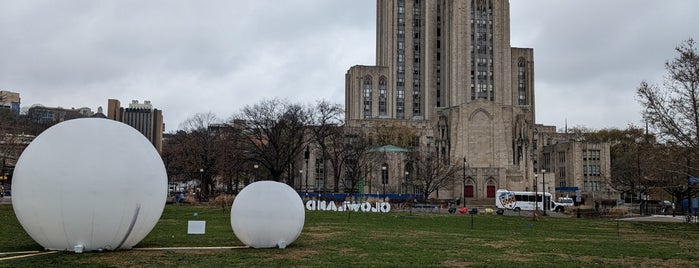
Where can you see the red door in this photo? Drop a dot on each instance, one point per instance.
(491, 191)
(468, 191)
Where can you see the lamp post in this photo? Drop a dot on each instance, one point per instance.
(255, 173)
(306, 155)
(536, 202)
(384, 177)
(463, 186)
(370, 171)
(201, 180)
(406, 182)
(301, 175)
(543, 190)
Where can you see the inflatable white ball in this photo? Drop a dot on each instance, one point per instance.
(267, 214)
(89, 184)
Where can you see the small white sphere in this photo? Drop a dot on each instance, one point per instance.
(267, 214)
(89, 184)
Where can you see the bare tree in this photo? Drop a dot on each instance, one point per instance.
(274, 135)
(174, 155)
(673, 108)
(354, 154)
(667, 171)
(397, 135)
(231, 160)
(326, 125)
(13, 141)
(430, 172)
(200, 145)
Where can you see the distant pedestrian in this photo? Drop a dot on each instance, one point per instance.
(179, 197)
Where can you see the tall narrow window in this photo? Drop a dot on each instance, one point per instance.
(482, 77)
(562, 169)
(382, 96)
(367, 96)
(400, 72)
(438, 56)
(417, 10)
(522, 81)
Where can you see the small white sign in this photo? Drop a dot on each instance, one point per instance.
(196, 227)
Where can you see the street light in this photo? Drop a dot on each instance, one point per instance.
(306, 155)
(255, 174)
(406, 181)
(463, 186)
(201, 179)
(536, 192)
(384, 177)
(543, 190)
(301, 175)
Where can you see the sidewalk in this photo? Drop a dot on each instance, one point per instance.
(658, 218)
(7, 200)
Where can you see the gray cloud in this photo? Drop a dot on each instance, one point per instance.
(199, 56)
(590, 56)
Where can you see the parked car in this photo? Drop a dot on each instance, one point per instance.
(565, 201)
(667, 206)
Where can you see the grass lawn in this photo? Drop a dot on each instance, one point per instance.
(396, 239)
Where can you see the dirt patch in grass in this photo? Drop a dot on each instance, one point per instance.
(498, 244)
(322, 232)
(571, 240)
(516, 256)
(133, 258)
(352, 252)
(636, 262)
(293, 254)
(456, 263)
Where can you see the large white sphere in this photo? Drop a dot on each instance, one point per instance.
(267, 214)
(89, 184)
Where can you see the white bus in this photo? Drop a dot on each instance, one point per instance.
(517, 201)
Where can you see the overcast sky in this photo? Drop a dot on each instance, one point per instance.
(190, 57)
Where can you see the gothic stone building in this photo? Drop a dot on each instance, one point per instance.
(446, 68)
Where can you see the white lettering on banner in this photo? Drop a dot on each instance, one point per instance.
(382, 207)
(331, 206)
(310, 205)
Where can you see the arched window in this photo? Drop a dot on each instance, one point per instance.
(382, 96)
(367, 96)
(522, 81)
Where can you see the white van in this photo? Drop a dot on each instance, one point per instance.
(518, 200)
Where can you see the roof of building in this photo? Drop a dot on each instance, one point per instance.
(98, 115)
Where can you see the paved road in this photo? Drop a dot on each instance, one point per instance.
(658, 218)
(7, 200)
(651, 218)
